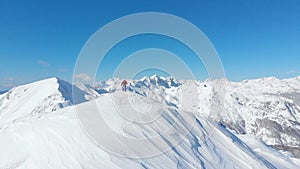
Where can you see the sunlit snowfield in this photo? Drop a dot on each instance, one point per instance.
(258, 128)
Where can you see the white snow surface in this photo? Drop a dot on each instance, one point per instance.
(38, 98)
(39, 127)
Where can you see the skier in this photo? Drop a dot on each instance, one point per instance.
(123, 84)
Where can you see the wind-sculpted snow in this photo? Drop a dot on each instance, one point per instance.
(40, 129)
(250, 107)
(57, 141)
(38, 98)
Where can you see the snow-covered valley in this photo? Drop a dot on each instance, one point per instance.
(258, 127)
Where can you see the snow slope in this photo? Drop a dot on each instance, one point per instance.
(49, 134)
(37, 98)
(57, 141)
(268, 108)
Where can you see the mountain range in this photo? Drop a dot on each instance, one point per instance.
(220, 124)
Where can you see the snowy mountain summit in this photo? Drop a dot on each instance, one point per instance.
(38, 98)
(183, 124)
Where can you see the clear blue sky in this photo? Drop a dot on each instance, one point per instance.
(40, 39)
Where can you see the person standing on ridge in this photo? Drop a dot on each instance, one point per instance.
(123, 84)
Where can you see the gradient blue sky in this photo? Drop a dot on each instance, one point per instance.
(254, 39)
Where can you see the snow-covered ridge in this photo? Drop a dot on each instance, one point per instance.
(38, 98)
(268, 107)
(39, 128)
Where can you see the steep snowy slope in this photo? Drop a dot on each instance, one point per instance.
(38, 98)
(90, 92)
(268, 108)
(39, 131)
(57, 141)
